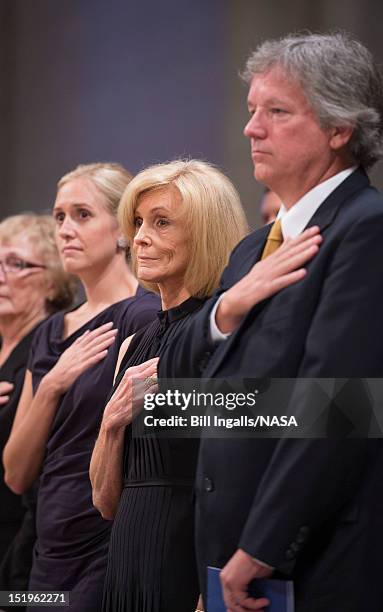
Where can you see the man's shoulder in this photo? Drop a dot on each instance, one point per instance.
(365, 206)
(252, 240)
(371, 199)
(245, 255)
(354, 203)
(357, 191)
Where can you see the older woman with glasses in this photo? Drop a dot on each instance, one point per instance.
(33, 285)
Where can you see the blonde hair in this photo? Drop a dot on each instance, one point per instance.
(40, 230)
(215, 221)
(109, 178)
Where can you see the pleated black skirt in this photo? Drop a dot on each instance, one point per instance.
(151, 565)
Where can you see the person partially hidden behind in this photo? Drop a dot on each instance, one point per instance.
(310, 510)
(33, 285)
(270, 205)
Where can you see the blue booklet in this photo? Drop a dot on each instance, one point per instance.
(280, 593)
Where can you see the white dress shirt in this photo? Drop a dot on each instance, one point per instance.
(293, 222)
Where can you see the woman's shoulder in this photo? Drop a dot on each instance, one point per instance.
(129, 315)
(137, 312)
(45, 337)
(145, 299)
(141, 299)
(49, 326)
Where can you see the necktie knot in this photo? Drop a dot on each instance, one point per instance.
(274, 239)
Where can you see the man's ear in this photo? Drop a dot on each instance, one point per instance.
(340, 137)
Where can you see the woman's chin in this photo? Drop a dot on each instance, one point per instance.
(147, 278)
(147, 275)
(71, 266)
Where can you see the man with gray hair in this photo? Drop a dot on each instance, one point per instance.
(310, 510)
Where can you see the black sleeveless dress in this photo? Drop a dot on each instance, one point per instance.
(151, 563)
(72, 538)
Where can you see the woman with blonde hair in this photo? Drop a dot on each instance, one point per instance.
(33, 285)
(69, 375)
(183, 219)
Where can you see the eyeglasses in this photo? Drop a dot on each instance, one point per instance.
(14, 265)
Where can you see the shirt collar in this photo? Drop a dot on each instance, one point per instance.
(180, 311)
(295, 219)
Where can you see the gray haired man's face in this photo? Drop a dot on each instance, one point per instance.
(290, 150)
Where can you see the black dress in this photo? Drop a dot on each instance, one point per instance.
(151, 563)
(72, 537)
(17, 513)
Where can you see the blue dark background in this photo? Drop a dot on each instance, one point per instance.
(139, 82)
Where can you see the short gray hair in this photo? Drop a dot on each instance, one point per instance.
(340, 80)
(40, 230)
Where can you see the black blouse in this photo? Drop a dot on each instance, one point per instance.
(149, 460)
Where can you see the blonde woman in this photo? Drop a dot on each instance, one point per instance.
(183, 218)
(69, 375)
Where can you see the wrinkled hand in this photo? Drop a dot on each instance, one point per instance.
(5, 390)
(86, 351)
(267, 277)
(240, 570)
(127, 401)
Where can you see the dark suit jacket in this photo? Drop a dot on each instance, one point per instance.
(311, 508)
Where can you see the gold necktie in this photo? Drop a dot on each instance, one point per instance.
(274, 239)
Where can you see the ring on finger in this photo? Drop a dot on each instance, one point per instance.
(149, 382)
